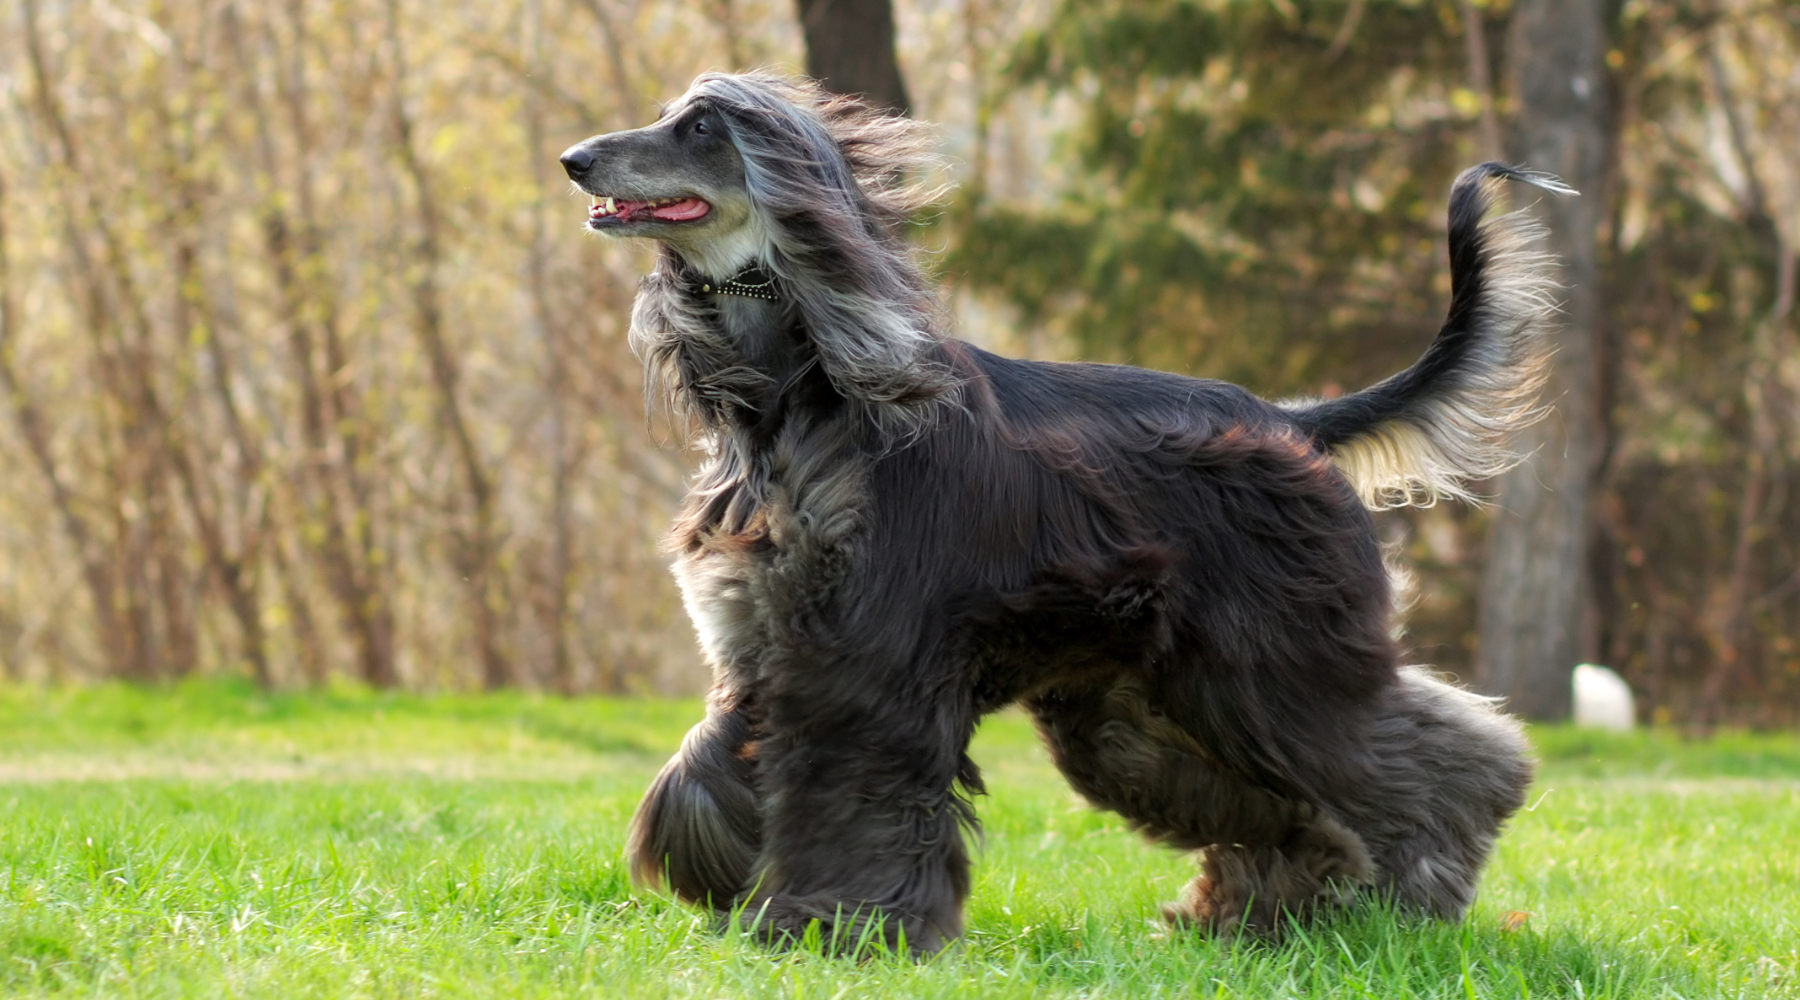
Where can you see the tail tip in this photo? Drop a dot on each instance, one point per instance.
(1506, 171)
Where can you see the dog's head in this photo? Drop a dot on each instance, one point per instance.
(680, 180)
(749, 168)
(811, 187)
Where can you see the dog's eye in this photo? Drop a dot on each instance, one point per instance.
(701, 128)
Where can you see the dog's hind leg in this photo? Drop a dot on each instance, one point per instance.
(1265, 856)
(1447, 769)
(1319, 865)
(699, 827)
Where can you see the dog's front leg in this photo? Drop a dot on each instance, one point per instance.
(699, 827)
(862, 824)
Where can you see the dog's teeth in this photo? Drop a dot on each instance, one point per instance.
(610, 209)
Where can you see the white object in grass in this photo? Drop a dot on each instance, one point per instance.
(1602, 699)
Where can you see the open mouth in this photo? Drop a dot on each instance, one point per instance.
(609, 209)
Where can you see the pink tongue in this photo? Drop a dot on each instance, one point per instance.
(683, 210)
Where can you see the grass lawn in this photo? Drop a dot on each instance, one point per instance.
(211, 841)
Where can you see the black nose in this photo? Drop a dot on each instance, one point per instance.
(577, 161)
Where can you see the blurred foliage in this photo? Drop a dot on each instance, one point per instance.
(307, 373)
(1703, 607)
(1258, 197)
(307, 370)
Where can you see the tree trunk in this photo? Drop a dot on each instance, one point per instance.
(850, 49)
(1537, 616)
(476, 547)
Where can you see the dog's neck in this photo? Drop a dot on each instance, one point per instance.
(727, 253)
(800, 348)
(738, 350)
(744, 364)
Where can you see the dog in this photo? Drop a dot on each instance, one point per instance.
(894, 533)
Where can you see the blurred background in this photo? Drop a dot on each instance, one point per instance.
(308, 373)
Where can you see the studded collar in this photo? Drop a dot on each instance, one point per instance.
(753, 282)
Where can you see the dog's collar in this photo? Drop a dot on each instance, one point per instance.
(753, 282)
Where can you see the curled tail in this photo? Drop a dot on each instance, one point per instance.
(1423, 433)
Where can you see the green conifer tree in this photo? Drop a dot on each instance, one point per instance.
(1261, 186)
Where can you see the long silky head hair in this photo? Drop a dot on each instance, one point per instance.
(831, 185)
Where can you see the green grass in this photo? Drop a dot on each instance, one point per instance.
(211, 841)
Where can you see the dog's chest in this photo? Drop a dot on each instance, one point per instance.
(779, 571)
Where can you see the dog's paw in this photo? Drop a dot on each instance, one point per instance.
(1208, 907)
(833, 928)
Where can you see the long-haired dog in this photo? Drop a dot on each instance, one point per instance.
(895, 532)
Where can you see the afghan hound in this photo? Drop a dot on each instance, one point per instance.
(895, 533)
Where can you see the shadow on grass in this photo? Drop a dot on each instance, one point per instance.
(127, 715)
(1372, 952)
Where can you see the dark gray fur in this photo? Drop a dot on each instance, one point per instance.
(894, 533)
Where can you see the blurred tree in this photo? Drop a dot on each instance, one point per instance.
(850, 49)
(1259, 191)
(305, 392)
(1700, 598)
(1537, 602)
